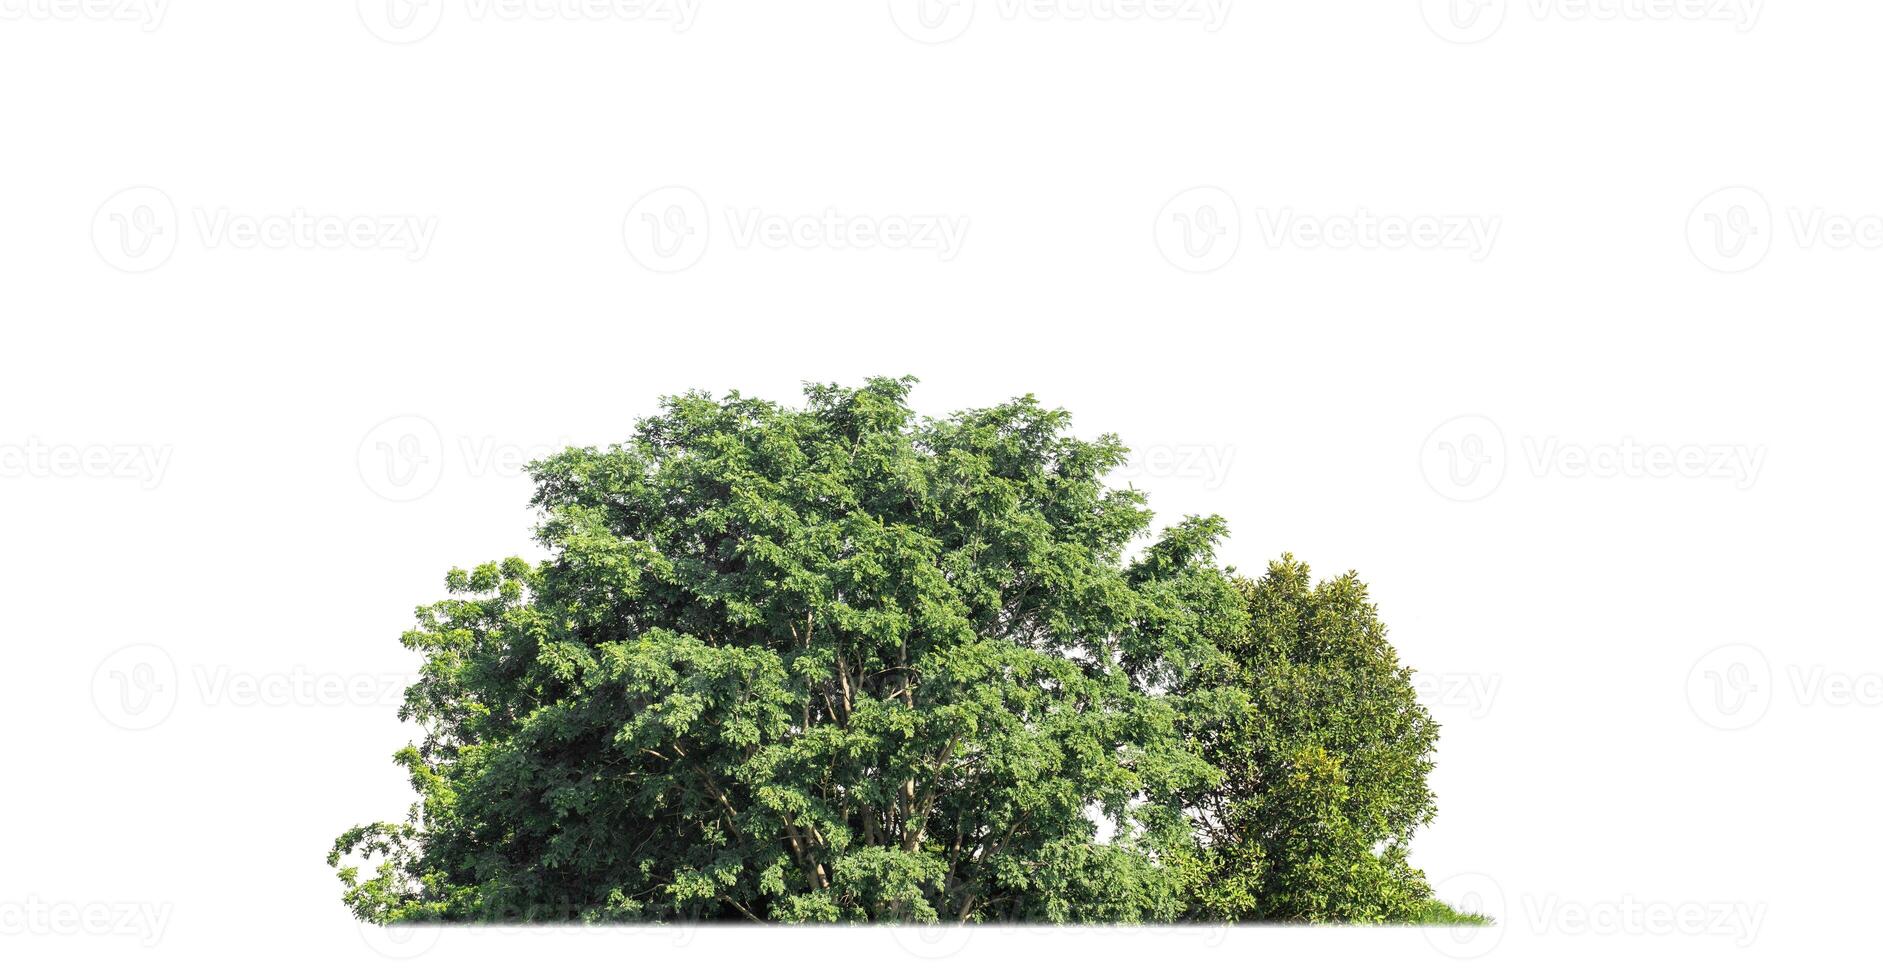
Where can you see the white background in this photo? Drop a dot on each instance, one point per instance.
(231, 470)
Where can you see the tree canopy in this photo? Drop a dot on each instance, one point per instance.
(844, 663)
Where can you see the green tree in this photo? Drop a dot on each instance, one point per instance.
(829, 664)
(1322, 751)
(841, 663)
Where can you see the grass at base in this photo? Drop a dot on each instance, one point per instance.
(1436, 913)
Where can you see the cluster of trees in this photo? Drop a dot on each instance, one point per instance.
(840, 663)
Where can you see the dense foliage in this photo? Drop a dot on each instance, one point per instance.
(846, 664)
(1321, 752)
